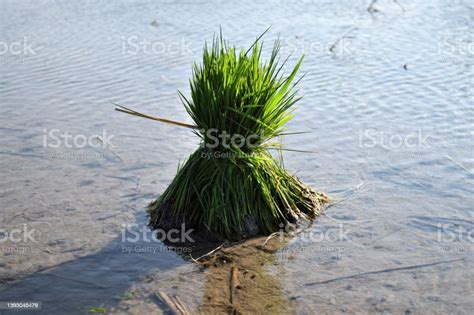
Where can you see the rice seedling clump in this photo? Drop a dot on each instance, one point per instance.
(232, 186)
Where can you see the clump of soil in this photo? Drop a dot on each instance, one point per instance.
(203, 238)
(237, 277)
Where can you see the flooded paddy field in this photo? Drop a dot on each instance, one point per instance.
(387, 112)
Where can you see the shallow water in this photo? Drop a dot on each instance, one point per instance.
(388, 112)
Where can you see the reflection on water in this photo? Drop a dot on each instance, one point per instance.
(387, 107)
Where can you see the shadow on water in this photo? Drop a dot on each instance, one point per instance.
(96, 280)
(241, 278)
